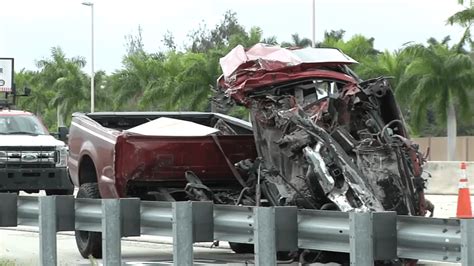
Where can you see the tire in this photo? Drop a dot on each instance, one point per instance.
(89, 243)
(240, 248)
(50, 192)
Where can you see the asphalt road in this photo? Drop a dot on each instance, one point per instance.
(21, 246)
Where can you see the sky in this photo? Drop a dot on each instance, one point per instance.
(29, 28)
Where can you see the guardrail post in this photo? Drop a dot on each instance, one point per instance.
(8, 210)
(264, 236)
(286, 228)
(384, 235)
(182, 233)
(203, 221)
(111, 232)
(361, 239)
(65, 213)
(467, 241)
(47, 230)
(130, 216)
(56, 213)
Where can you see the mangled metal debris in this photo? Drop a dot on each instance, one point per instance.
(325, 139)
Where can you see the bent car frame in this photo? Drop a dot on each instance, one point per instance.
(325, 138)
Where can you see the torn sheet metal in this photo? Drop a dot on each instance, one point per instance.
(323, 137)
(263, 65)
(270, 58)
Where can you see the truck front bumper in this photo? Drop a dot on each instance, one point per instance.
(34, 179)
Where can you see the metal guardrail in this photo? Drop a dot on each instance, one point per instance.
(366, 236)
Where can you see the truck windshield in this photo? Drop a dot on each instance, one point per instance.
(21, 124)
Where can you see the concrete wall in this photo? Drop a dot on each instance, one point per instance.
(445, 177)
(464, 148)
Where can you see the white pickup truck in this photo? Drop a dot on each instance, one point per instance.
(31, 159)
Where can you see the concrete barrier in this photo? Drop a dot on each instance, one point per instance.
(445, 177)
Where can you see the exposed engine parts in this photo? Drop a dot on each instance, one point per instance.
(325, 139)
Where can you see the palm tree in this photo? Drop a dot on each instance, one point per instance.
(249, 39)
(388, 64)
(38, 99)
(102, 92)
(141, 72)
(358, 46)
(185, 84)
(271, 40)
(463, 18)
(64, 77)
(439, 78)
(297, 41)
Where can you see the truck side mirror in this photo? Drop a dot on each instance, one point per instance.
(63, 134)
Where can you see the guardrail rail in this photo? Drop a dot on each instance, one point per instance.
(366, 236)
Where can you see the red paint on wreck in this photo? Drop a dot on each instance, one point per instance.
(252, 81)
(166, 159)
(118, 157)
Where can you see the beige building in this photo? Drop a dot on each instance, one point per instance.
(464, 148)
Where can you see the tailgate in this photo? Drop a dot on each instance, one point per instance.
(165, 159)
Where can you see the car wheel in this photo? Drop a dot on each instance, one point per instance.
(89, 243)
(50, 192)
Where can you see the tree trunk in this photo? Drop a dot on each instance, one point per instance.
(59, 116)
(452, 132)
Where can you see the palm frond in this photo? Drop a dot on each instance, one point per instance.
(466, 37)
(463, 18)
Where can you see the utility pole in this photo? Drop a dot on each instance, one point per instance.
(314, 24)
(91, 5)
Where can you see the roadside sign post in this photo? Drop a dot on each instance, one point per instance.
(6, 74)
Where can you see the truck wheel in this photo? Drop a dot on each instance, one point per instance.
(89, 243)
(50, 192)
(241, 248)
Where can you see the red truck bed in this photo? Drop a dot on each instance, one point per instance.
(151, 162)
(166, 159)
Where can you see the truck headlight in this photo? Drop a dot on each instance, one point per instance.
(61, 158)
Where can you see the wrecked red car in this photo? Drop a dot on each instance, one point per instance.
(325, 138)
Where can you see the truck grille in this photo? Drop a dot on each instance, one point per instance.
(28, 157)
(26, 166)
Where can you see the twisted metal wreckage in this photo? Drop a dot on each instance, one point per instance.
(325, 139)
